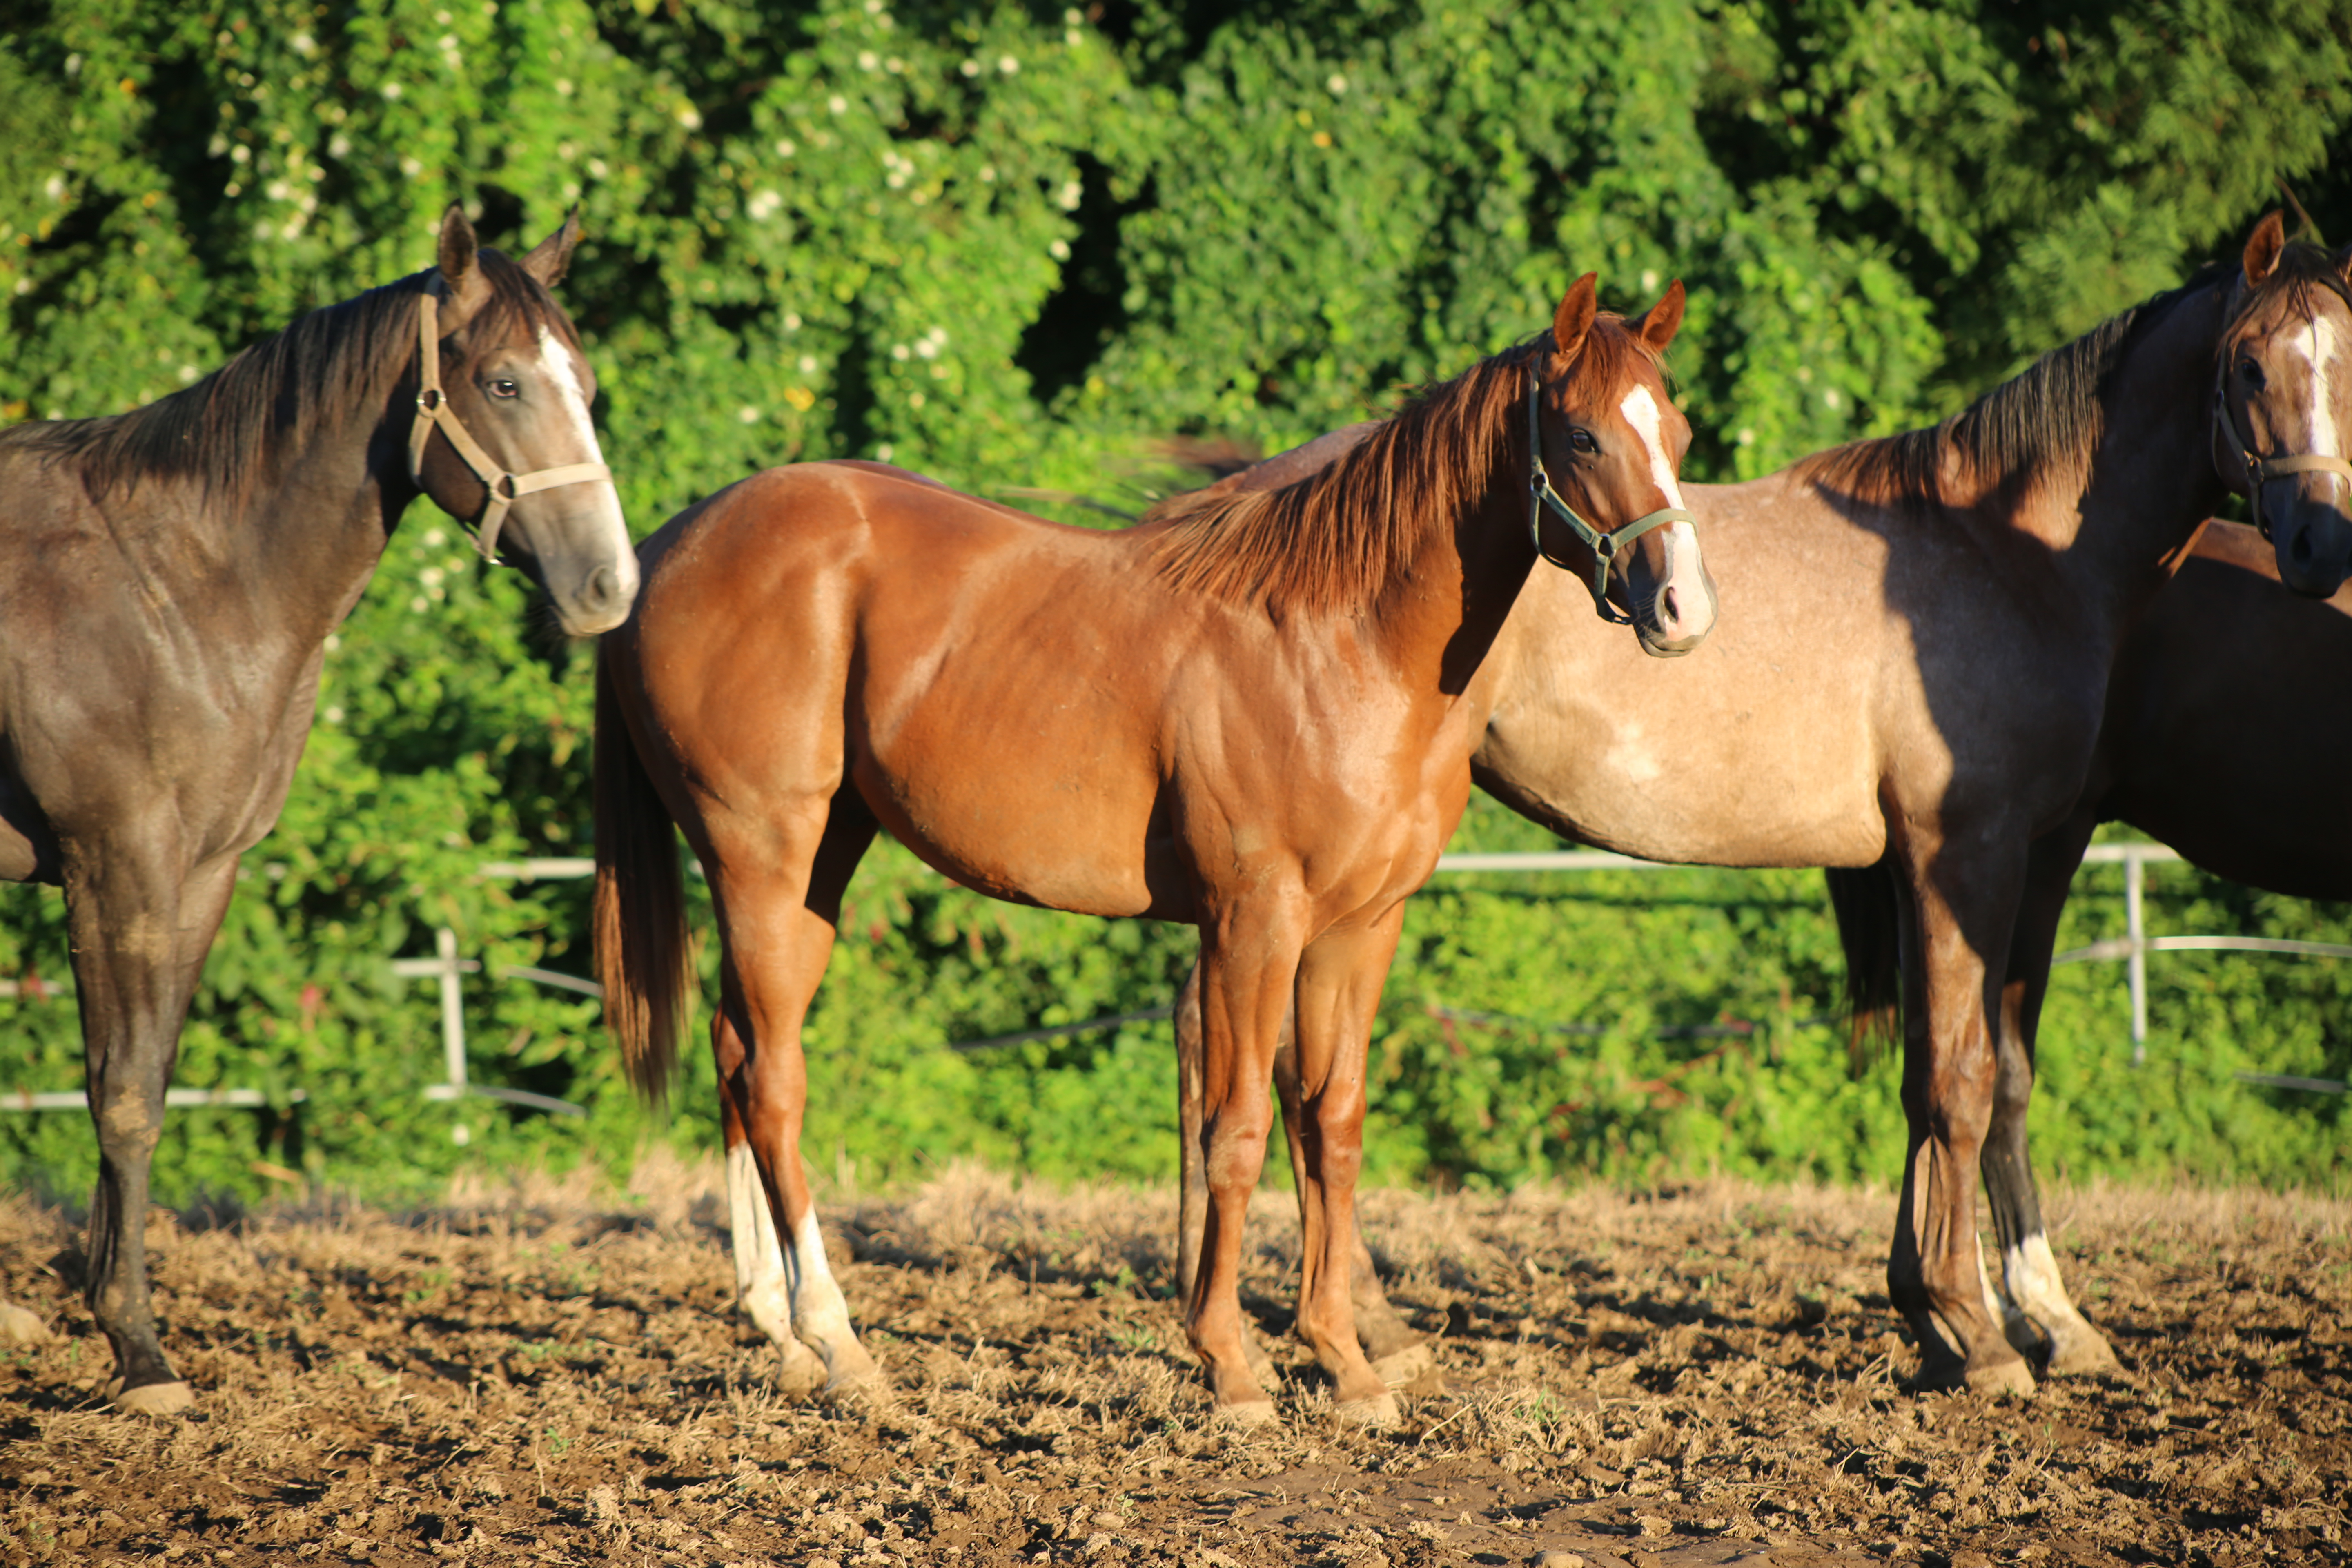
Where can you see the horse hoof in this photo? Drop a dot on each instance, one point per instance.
(156, 1399)
(1408, 1365)
(2006, 1376)
(2086, 1354)
(1245, 1413)
(19, 1327)
(801, 1375)
(1381, 1411)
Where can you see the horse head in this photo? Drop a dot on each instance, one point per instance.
(1600, 421)
(2282, 404)
(502, 438)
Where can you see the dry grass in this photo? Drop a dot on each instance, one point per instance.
(550, 1370)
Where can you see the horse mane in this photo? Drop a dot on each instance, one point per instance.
(2047, 413)
(233, 429)
(1333, 539)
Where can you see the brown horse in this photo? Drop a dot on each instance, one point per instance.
(1253, 715)
(1985, 574)
(171, 577)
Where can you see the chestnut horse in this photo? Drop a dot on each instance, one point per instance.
(171, 575)
(1253, 715)
(1987, 573)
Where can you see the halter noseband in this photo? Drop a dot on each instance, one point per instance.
(1605, 547)
(502, 488)
(2259, 471)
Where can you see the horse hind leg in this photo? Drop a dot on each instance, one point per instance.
(778, 909)
(763, 1293)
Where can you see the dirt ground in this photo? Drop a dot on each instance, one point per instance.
(548, 1374)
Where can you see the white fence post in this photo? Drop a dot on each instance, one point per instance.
(2135, 929)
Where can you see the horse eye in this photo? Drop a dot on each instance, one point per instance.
(2251, 374)
(502, 387)
(1581, 441)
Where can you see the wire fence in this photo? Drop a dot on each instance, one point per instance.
(448, 970)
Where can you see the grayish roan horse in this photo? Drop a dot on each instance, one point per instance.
(168, 578)
(1908, 682)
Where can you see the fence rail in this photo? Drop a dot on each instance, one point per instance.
(446, 968)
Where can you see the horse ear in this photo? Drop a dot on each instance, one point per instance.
(461, 272)
(1574, 321)
(552, 256)
(2263, 248)
(1662, 320)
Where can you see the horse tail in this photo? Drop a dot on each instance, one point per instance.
(1869, 924)
(642, 954)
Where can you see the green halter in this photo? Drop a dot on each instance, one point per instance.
(1605, 547)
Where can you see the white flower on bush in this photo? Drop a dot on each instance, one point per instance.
(1070, 195)
(763, 206)
(1007, 64)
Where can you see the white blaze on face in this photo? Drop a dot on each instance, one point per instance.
(555, 360)
(2325, 439)
(1684, 572)
(1641, 411)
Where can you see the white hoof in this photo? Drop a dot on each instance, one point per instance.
(1409, 1364)
(1380, 1411)
(1245, 1413)
(156, 1399)
(19, 1327)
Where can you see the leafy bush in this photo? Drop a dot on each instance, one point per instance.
(1018, 246)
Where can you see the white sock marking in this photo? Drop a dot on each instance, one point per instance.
(759, 1283)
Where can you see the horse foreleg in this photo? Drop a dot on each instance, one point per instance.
(1397, 1353)
(2036, 1312)
(1962, 912)
(1248, 962)
(763, 1293)
(1192, 1162)
(1337, 992)
(140, 924)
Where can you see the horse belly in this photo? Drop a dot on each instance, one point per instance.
(1065, 836)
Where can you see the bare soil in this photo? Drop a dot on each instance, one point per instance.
(549, 1373)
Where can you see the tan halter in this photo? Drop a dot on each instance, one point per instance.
(433, 409)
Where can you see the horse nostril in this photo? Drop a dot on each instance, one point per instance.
(1670, 612)
(603, 588)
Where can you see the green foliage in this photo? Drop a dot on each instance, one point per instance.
(1015, 247)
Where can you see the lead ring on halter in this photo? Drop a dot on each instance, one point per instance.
(501, 488)
(1605, 547)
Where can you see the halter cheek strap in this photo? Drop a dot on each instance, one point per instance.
(1605, 547)
(501, 488)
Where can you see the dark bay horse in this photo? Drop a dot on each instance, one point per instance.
(171, 575)
(1253, 715)
(1911, 684)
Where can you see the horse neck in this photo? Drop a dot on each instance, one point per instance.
(2150, 479)
(1442, 610)
(305, 545)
